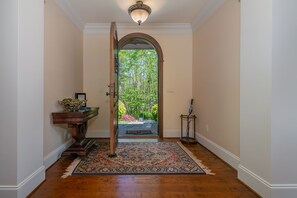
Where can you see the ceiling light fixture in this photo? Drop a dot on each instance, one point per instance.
(139, 12)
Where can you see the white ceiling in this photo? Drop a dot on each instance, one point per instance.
(191, 12)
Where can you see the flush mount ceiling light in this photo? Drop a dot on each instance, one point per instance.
(139, 12)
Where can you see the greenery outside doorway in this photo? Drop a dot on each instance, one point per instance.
(140, 87)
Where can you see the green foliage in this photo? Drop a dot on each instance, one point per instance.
(138, 80)
(122, 109)
(155, 112)
(123, 122)
(146, 115)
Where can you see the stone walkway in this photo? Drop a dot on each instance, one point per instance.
(146, 125)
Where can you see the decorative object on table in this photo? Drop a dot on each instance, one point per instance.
(78, 122)
(70, 104)
(138, 158)
(189, 118)
(82, 97)
(84, 108)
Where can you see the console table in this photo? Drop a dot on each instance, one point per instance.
(78, 122)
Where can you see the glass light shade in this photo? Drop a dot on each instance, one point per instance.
(139, 15)
(139, 12)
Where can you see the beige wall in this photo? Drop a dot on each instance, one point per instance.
(177, 51)
(96, 78)
(216, 76)
(62, 70)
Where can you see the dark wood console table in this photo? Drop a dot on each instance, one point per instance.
(78, 122)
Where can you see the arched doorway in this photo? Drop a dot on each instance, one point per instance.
(146, 40)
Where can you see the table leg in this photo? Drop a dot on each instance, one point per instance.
(81, 146)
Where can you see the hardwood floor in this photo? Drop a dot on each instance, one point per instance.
(222, 185)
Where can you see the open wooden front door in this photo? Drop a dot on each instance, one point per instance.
(113, 89)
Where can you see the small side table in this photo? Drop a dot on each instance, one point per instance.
(78, 122)
(188, 139)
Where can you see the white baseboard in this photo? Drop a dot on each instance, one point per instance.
(24, 188)
(171, 134)
(284, 190)
(255, 182)
(30, 183)
(264, 188)
(56, 154)
(222, 153)
(98, 134)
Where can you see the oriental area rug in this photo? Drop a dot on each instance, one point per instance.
(138, 158)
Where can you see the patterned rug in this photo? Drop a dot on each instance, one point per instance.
(138, 158)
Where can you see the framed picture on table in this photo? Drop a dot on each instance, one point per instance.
(81, 96)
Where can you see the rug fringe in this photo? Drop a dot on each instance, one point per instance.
(71, 168)
(199, 162)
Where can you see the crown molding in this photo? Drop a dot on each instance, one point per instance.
(149, 28)
(70, 12)
(206, 12)
(97, 28)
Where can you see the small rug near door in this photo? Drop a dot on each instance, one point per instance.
(138, 158)
(139, 132)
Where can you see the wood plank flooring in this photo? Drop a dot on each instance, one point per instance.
(222, 185)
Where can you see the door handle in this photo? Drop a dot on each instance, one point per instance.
(110, 90)
(107, 93)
